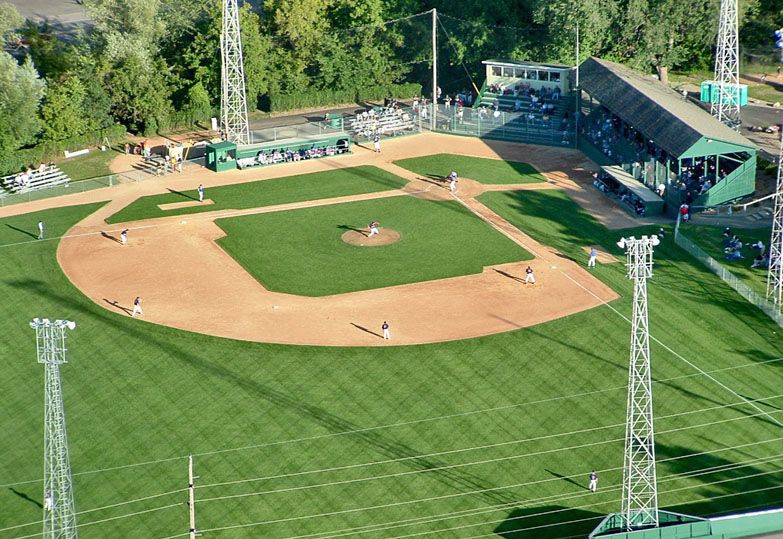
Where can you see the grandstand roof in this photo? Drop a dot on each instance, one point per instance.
(653, 109)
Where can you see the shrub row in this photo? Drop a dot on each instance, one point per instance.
(47, 151)
(325, 98)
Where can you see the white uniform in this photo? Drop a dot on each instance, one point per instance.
(377, 144)
(593, 256)
(124, 237)
(373, 230)
(530, 277)
(137, 307)
(593, 486)
(40, 230)
(385, 328)
(201, 193)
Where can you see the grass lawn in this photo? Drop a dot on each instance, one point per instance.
(439, 240)
(333, 183)
(486, 435)
(479, 169)
(710, 238)
(765, 92)
(92, 165)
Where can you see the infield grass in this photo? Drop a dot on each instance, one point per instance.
(480, 169)
(301, 251)
(710, 238)
(318, 185)
(476, 437)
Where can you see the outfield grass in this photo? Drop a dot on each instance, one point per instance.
(711, 238)
(91, 165)
(137, 393)
(301, 251)
(333, 183)
(479, 169)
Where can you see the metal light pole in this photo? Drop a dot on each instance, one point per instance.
(433, 119)
(233, 98)
(640, 493)
(775, 272)
(59, 513)
(727, 109)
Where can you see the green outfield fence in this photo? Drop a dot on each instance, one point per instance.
(726, 276)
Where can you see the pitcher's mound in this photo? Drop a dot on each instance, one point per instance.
(360, 239)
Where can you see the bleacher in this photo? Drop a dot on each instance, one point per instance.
(385, 121)
(507, 103)
(45, 177)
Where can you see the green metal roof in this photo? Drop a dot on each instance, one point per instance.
(654, 109)
(223, 144)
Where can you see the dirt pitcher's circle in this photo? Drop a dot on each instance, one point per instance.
(361, 238)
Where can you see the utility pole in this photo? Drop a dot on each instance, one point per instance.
(577, 54)
(59, 513)
(233, 99)
(775, 272)
(433, 120)
(727, 108)
(640, 492)
(191, 498)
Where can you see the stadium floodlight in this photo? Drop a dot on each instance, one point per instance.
(59, 513)
(775, 268)
(233, 97)
(726, 108)
(640, 491)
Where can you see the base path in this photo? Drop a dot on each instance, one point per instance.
(187, 281)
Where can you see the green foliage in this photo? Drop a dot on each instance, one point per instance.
(62, 111)
(439, 240)
(324, 98)
(10, 22)
(140, 94)
(21, 91)
(50, 55)
(197, 107)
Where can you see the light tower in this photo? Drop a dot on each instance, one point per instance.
(59, 514)
(727, 107)
(640, 491)
(233, 99)
(775, 274)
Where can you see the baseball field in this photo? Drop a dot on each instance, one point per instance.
(259, 353)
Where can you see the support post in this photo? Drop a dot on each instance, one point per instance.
(191, 499)
(433, 119)
(775, 271)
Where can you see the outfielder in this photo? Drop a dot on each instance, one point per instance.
(593, 486)
(41, 229)
(373, 229)
(137, 307)
(200, 192)
(593, 256)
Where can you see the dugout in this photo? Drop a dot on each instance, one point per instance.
(221, 156)
(635, 122)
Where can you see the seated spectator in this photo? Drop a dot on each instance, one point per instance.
(661, 189)
(517, 105)
(727, 232)
(760, 261)
(639, 208)
(734, 255)
(759, 245)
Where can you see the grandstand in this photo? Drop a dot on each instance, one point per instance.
(44, 177)
(660, 139)
(390, 120)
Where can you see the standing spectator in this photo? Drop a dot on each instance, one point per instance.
(41, 228)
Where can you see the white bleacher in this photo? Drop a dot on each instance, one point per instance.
(34, 180)
(386, 122)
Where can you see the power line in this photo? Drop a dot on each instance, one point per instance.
(462, 465)
(462, 450)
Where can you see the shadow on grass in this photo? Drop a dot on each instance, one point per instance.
(114, 303)
(349, 227)
(452, 475)
(180, 193)
(26, 497)
(566, 479)
(23, 231)
(548, 522)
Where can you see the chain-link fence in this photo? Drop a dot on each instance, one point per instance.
(726, 276)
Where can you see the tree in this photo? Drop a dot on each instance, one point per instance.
(10, 22)
(197, 106)
(21, 91)
(140, 94)
(63, 110)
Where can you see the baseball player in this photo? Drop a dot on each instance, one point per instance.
(200, 193)
(48, 501)
(385, 328)
(376, 142)
(41, 228)
(593, 486)
(530, 277)
(124, 237)
(137, 307)
(373, 229)
(593, 256)
(453, 181)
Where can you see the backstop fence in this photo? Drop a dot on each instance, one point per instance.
(726, 276)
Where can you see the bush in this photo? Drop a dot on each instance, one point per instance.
(47, 151)
(325, 98)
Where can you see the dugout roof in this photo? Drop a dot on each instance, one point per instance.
(655, 110)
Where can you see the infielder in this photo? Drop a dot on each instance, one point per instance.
(593, 256)
(376, 142)
(530, 277)
(373, 229)
(137, 307)
(453, 181)
(124, 237)
(48, 501)
(593, 486)
(200, 193)
(385, 328)
(41, 228)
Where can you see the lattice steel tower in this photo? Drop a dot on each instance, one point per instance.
(727, 107)
(59, 519)
(640, 492)
(233, 99)
(775, 274)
